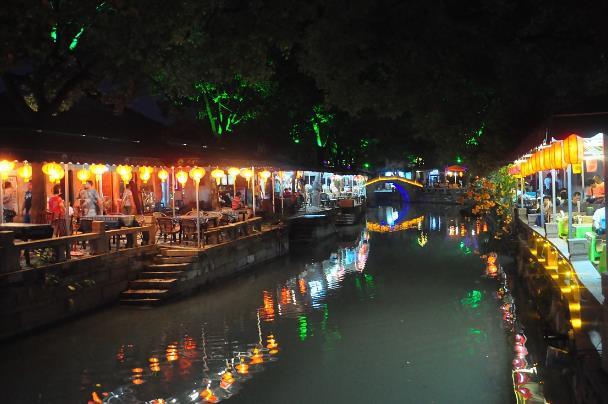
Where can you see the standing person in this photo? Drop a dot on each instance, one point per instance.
(127, 200)
(57, 209)
(27, 204)
(89, 200)
(9, 202)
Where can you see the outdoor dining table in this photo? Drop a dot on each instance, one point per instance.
(581, 229)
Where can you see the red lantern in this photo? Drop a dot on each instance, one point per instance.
(521, 378)
(525, 392)
(591, 166)
(573, 149)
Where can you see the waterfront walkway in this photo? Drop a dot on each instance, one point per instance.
(586, 272)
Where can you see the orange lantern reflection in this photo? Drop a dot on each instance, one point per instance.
(242, 368)
(272, 345)
(208, 396)
(256, 357)
(227, 379)
(268, 310)
(171, 351)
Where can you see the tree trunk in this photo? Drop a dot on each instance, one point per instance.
(39, 204)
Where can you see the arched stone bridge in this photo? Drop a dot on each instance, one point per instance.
(406, 189)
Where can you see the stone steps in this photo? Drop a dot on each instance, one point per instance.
(179, 252)
(141, 301)
(168, 267)
(156, 282)
(160, 274)
(152, 283)
(159, 259)
(144, 294)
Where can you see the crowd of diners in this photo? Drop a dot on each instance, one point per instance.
(234, 197)
(587, 201)
(561, 185)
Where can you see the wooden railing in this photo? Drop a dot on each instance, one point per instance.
(232, 231)
(16, 254)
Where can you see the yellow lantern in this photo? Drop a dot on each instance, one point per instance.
(98, 170)
(535, 163)
(197, 173)
(5, 168)
(182, 177)
(573, 149)
(558, 155)
(54, 171)
(25, 172)
(265, 174)
(145, 173)
(83, 175)
(546, 158)
(125, 172)
(218, 174)
(163, 175)
(247, 174)
(233, 171)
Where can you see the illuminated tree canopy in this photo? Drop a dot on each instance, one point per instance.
(346, 84)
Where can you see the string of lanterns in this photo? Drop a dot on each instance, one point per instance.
(556, 156)
(56, 172)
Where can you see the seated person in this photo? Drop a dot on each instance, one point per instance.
(547, 210)
(597, 190)
(599, 221)
(236, 201)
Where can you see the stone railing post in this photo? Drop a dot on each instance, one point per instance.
(578, 249)
(151, 230)
(9, 254)
(100, 245)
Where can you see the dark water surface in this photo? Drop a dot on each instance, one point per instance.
(395, 312)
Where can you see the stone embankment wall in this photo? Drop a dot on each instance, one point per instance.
(33, 298)
(226, 260)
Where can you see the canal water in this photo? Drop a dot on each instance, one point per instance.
(396, 311)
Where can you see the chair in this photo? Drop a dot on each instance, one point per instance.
(166, 227)
(188, 230)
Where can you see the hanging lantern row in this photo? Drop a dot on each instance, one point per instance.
(556, 156)
(56, 173)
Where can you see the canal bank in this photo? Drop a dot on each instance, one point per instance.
(51, 292)
(569, 298)
(406, 312)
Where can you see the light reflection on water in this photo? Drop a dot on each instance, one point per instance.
(398, 311)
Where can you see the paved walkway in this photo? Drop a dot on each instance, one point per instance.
(585, 270)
